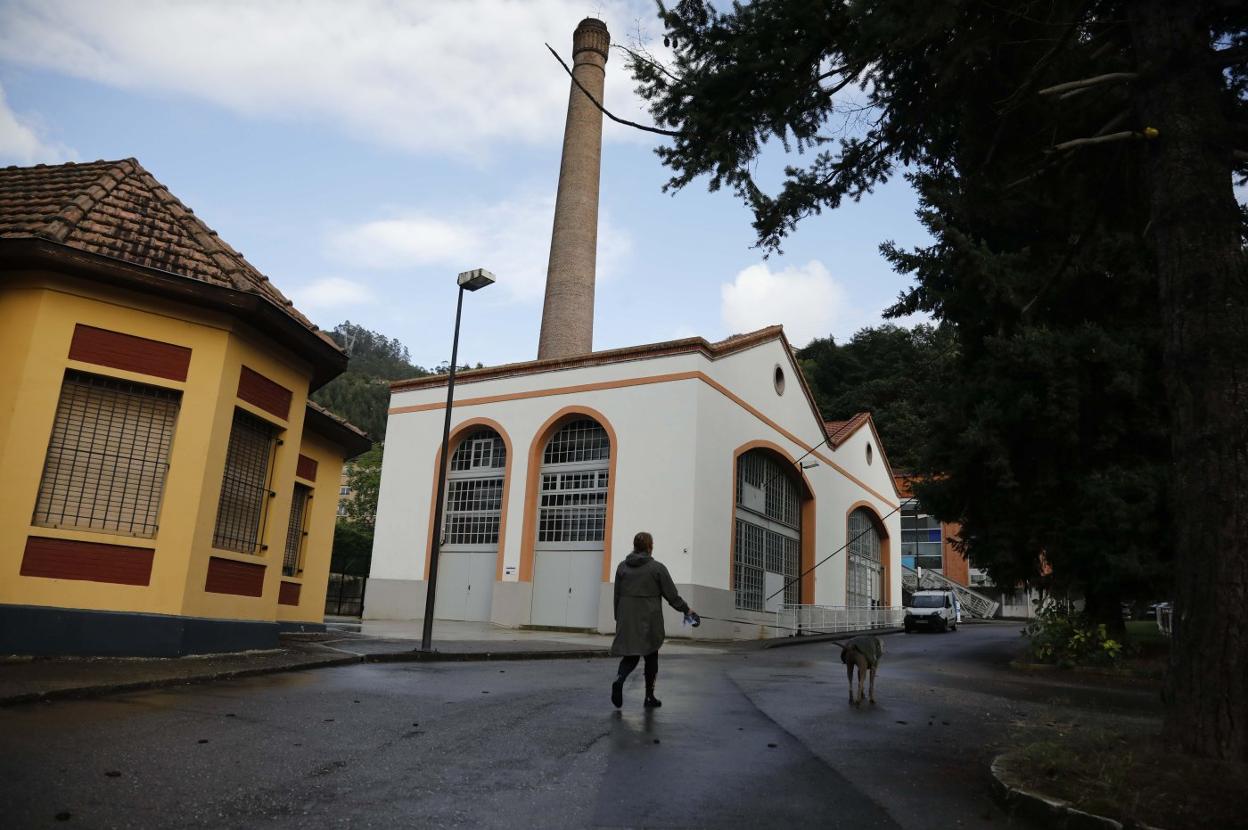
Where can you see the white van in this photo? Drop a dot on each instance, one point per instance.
(937, 610)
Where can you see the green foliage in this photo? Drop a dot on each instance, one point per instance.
(353, 549)
(1067, 638)
(1044, 427)
(364, 479)
(362, 393)
(894, 373)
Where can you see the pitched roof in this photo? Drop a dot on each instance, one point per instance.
(839, 431)
(337, 428)
(118, 210)
(735, 343)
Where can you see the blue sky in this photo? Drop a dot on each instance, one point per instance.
(362, 154)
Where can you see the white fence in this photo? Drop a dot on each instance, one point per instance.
(793, 620)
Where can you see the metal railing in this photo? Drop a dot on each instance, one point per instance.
(972, 602)
(795, 620)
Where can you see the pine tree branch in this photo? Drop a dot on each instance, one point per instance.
(1109, 77)
(604, 110)
(1229, 57)
(1096, 139)
(1241, 155)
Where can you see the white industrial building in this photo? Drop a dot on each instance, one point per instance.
(717, 449)
(556, 463)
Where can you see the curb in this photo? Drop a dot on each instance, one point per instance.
(82, 692)
(1049, 811)
(811, 639)
(480, 656)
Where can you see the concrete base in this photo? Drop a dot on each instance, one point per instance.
(396, 599)
(511, 604)
(511, 607)
(32, 629)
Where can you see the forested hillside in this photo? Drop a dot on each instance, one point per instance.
(892, 372)
(362, 393)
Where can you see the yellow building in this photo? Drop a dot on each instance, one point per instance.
(168, 486)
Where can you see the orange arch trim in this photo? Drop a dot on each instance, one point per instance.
(528, 542)
(886, 552)
(806, 588)
(458, 433)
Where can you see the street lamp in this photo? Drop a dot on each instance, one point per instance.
(473, 280)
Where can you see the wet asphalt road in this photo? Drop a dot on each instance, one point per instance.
(757, 739)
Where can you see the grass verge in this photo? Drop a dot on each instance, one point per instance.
(1135, 778)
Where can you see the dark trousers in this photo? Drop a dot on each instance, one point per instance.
(651, 671)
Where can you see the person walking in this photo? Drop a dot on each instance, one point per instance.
(641, 582)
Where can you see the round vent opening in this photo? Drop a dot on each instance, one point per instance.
(778, 380)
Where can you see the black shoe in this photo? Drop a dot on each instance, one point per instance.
(617, 692)
(652, 702)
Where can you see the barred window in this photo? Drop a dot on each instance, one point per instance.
(572, 506)
(866, 571)
(292, 558)
(578, 442)
(108, 456)
(245, 490)
(474, 495)
(768, 530)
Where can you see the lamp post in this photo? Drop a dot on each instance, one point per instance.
(473, 280)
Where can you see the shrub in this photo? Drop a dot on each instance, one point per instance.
(1067, 638)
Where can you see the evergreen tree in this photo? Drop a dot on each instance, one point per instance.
(362, 393)
(1075, 166)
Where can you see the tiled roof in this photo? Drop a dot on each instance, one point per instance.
(732, 344)
(117, 209)
(334, 426)
(839, 431)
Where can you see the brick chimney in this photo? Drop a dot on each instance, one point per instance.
(568, 314)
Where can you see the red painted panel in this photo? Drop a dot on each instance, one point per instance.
(90, 561)
(256, 389)
(306, 468)
(288, 593)
(128, 352)
(225, 576)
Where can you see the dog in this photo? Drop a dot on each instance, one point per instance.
(864, 652)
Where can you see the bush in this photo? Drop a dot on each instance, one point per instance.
(1068, 638)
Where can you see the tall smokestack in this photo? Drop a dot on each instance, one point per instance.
(568, 315)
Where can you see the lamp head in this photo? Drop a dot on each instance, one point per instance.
(474, 279)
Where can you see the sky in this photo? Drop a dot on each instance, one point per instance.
(362, 154)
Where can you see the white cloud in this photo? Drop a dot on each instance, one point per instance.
(805, 299)
(332, 293)
(510, 238)
(452, 76)
(20, 142)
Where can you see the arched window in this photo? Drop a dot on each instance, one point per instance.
(573, 506)
(766, 554)
(865, 586)
(474, 491)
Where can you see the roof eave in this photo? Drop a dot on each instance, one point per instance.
(351, 439)
(327, 361)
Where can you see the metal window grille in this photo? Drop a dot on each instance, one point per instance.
(474, 495)
(866, 572)
(573, 507)
(245, 486)
(768, 530)
(578, 442)
(108, 456)
(572, 504)
(292, 558)
(482, 449)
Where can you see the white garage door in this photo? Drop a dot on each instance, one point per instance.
(571, 526)
(467, 565)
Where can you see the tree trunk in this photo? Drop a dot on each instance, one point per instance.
(1195, 234)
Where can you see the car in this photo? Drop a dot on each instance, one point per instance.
(937, 610)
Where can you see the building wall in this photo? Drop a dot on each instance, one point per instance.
(38, 315)
(678, 422)
(313, 582)
(954, 565)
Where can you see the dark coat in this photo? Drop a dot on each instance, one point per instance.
(640, 581)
